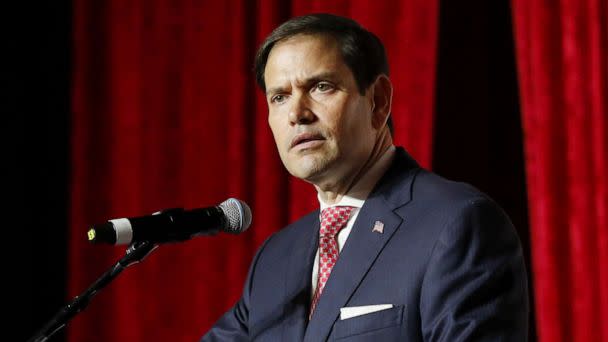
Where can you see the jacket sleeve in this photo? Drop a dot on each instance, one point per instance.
(234, 324)
(475, 286)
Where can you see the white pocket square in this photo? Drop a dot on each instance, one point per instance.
(354, 311)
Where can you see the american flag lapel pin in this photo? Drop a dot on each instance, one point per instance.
(378, 227)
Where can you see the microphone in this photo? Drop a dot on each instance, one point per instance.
(173, 225)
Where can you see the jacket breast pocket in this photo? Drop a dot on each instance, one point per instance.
(379, 322)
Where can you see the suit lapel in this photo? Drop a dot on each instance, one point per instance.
(298, 278)
(363, 245)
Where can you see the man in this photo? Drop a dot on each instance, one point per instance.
(395, 253)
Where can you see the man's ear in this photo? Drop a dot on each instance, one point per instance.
(382, 97)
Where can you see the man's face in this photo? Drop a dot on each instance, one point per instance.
(321, 124)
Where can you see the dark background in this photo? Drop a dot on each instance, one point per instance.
(478, 138)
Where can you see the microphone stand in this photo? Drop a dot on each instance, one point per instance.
(134, 254)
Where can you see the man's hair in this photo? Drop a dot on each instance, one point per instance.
(361, 50)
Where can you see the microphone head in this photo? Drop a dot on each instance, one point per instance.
(238, 215)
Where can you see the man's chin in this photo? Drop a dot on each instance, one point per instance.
(309, 166)
(308, 172)
(305, 175)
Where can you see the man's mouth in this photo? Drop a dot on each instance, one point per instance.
(305, 139)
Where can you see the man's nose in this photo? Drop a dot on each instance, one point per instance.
(300, 112)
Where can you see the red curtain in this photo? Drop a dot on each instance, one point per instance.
(166, 114)
(562, 56)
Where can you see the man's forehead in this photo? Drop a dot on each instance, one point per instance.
(303, 57)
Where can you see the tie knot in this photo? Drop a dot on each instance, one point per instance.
(333, 219)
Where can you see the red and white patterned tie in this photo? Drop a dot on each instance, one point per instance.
(333, 219)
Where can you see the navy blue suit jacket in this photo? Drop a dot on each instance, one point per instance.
(449, 260)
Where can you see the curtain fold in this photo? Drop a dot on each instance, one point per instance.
(562, 57)
(166, 114)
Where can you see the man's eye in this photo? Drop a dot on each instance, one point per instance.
(277, 99)
(323, 87)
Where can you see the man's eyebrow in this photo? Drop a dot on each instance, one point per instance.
(275, 90)
(323, 76)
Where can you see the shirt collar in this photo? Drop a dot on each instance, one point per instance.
(357, 195)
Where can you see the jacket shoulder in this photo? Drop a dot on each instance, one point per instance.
(429, 186)
(295, 232)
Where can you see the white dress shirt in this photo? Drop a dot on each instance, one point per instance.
(355, 197)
